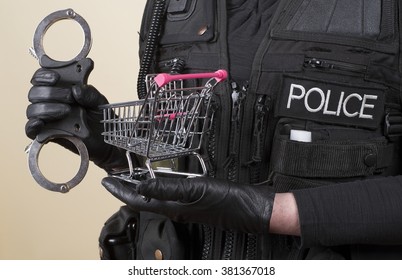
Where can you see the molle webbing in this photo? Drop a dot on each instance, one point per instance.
(330, 159)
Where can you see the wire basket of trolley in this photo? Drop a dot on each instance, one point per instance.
(168, 123)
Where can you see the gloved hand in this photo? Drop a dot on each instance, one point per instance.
(51, 103)
(228, 205)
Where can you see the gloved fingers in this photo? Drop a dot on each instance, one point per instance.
(172, 189)
(38, 94)
(127, 193)
(123, 191)
(88, 96)
(45, 77)
(33, 127)
(48, 111)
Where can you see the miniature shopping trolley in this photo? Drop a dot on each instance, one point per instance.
(168, 123)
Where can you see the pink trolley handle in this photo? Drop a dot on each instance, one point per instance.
(163, 78)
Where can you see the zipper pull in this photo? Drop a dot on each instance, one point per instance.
(175, 65)
(235, 116)
(261, 109)
(236, 101)
(317, 63)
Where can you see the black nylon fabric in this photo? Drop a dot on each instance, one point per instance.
(245, 19)
(322, 160)
(359, 17)
(376, 230)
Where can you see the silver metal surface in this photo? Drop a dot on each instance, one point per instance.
(38, 50)
(168, 123)
(34, 151)
(33, 53)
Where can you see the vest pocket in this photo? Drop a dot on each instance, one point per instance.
(189, 21)
(362, 23)
(331, 123)
(324, 152)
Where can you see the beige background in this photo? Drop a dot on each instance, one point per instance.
(36, 223)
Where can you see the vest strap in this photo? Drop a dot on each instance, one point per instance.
(393, 125)
(330, 160)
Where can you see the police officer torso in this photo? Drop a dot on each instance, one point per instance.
(313, 99)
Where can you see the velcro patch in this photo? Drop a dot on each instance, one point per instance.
(331, 102)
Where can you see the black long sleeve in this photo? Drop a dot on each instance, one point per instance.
(359, 212)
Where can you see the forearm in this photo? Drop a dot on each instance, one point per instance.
(359, 212)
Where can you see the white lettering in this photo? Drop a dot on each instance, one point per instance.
(364, 105)
(292, 96)
(321, 103)
(326, 111)
(327, 100)
(345, 103)
(340, 103)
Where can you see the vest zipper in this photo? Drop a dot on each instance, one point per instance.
(261, 110)
(207, 230)
(207, 244)
(235, 122)
(323, 64)
(251, 250)
(237, 96)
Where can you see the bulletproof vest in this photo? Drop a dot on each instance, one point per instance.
(313, 96)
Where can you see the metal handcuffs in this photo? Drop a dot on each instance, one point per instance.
(72, 128)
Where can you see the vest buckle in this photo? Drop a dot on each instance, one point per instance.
(393, 125)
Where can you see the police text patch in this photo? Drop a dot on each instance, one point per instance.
(331, 102)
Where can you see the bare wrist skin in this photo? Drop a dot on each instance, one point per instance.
(285, 215)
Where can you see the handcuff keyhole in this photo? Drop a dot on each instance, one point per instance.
(79, 68)
(77, 127)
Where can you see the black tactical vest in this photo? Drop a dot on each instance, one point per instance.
(313, 99)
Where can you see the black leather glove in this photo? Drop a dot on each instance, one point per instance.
(52, 103)
(224, 204)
